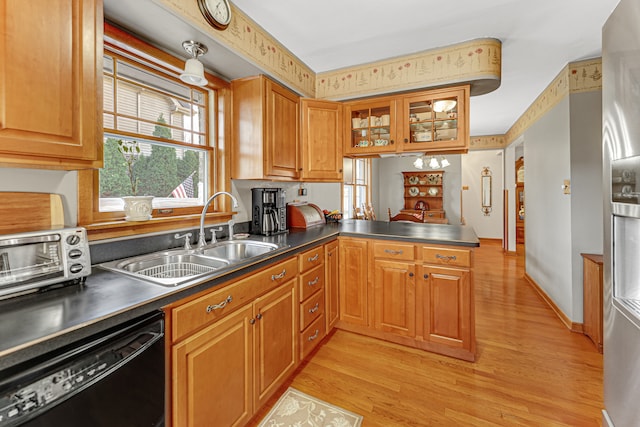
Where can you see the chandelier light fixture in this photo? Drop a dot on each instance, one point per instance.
(193, 73)
(421, 161)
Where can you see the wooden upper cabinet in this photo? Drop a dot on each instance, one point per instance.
(265, 130)
(427, 121)
(370, 126)
(435, 121)
(321, 140)
(51, 83)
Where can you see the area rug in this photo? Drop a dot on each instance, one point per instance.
(295, 408)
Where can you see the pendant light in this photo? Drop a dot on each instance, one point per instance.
(444, 162)
(433, 163)
(418, 163)
(193, 69)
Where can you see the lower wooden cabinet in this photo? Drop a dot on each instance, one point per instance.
(276, 346)
(212, 374)
(416, 295)
(592, 273)
(233, 347)
(446, 298)
(394, 297)
(331, 283)
(353, 281)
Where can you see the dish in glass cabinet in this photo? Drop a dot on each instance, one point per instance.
(433, 191)
(413, 180)
(413, 191)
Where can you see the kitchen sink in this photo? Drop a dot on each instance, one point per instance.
(238, 250)
(177, 266)
(168, 268)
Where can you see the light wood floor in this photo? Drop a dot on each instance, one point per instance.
(530, 370)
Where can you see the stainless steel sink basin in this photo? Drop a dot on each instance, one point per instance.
(238, 250)
(168, 268)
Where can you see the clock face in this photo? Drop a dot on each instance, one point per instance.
(216, 12)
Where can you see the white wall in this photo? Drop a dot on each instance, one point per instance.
(486, 226)
(390, 185)
(548, 210)
(64, 183)
(586, 186)
(324, 195)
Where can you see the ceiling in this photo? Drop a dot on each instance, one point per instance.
(538, 38)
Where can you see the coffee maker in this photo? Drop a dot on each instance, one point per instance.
(268, 211)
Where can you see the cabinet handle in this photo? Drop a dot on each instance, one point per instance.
(313, 258)
(314, 308)
(340, 170)
(426, 276)
(392, 252)
(259, 316)
(314, 336)
(410, 274)
(252, 321)
(406, 140)
(279, 276)
(314, 281)
(222, 304)
(391, 142)
(446, 257)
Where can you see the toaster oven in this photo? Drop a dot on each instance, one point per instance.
(33, 260)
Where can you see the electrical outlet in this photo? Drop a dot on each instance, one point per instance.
(302, 191)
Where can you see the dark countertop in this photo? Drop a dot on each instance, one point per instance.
(34, 324)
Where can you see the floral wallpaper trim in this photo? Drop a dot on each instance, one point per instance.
(248, 39)
(576, 77)
(487, 142)
(479, 59)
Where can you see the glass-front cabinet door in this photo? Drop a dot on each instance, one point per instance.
(371, 127)
(435, 120)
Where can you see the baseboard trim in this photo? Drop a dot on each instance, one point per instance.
(572, 326)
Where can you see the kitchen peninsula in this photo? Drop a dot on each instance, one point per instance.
(407, 283)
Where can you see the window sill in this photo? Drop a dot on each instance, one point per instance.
(122, 228)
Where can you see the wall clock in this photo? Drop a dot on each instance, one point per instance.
(216, 12)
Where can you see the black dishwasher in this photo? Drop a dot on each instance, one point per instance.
(115, 378)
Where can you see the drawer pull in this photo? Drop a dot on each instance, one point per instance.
(314, 336)
(222, 304)
(279, 276)
(446, 257)
(314, 281)
(259, 316)
(313, 258)
(392, 252)
(314, 308)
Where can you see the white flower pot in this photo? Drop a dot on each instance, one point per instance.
(137, 208)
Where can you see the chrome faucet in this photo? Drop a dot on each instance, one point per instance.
(202, 239)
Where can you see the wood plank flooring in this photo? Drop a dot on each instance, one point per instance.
(530, 370)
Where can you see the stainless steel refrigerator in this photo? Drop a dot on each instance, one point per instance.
(621, 156)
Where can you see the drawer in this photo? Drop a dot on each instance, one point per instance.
(311, 309)
(394, 250)
(311, 337)
(434, 214)
(311, 258)
(223, 299)
(311, 282)
(446, 256)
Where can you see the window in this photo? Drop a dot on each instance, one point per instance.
(161, 138)
(155, 137)
(356, 189)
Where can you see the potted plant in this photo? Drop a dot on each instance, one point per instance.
(136, 208)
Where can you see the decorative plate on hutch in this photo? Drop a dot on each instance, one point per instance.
(413, 180)
(413, 191)
(433, 191)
